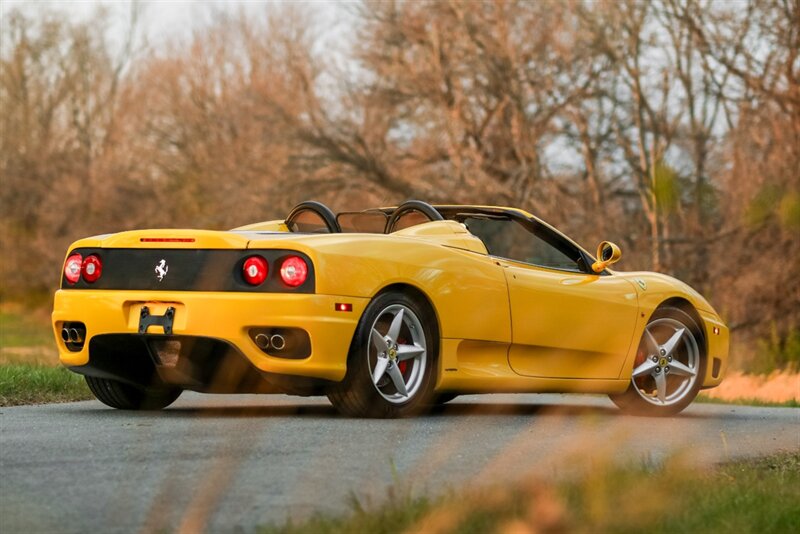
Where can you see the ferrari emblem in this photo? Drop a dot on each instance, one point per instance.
(161, 270)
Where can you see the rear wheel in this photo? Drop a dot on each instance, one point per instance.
(127, 397)
(669, 366)
(392, 361)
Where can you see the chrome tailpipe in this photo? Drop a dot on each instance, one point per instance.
(75, 336)
(262, 340)
(277, 341)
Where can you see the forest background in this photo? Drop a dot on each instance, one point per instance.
(670, 127)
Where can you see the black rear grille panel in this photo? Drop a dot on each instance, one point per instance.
(188, 270)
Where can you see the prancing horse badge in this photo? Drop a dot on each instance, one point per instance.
(161, 270)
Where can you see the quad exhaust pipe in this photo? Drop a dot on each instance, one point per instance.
(276, 341)
(262, 340)
(75, 335)
(282, 341)
(72, 335)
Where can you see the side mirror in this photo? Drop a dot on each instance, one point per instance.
(607, 253)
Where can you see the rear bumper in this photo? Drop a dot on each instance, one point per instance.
(227, 316)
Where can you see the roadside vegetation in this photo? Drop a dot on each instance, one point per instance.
(29, 368)
(758, 496)
(37, 384)
(792, 403)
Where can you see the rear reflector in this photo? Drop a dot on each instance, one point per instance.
(167, 240)
(344, 307)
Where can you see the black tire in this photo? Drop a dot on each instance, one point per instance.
(127, 397)
(357, 395)
(632, 401)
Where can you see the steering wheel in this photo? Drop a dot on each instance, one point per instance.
(412, 205)
(318, 208)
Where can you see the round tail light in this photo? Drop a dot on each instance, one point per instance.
(72, 268)
(92, 268)
(294, 271)
(255, 270)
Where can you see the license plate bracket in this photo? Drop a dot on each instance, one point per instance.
(146, 320)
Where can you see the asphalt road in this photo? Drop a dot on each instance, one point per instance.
(230, 463)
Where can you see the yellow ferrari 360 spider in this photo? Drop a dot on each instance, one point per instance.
(386, 311)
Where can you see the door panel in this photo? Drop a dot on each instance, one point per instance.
(569, 325)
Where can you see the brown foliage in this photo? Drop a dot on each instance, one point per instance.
(671, 126)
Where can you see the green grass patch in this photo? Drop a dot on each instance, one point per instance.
(748, 402)
(396, 516)
(750, 496)
(36, 384)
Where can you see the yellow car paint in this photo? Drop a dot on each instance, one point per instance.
(504, 326)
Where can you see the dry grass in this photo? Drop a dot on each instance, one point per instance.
(26, 337)
(776, 387)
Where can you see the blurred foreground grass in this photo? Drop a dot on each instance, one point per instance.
(750, 496)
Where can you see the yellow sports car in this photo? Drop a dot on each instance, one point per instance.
(386, 311)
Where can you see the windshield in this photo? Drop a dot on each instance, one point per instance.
(507, 238)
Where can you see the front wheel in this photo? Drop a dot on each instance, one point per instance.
(669, 366)
(127, 397)
(391, 368)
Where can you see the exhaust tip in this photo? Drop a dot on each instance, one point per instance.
(75, 335)
(65, 335)
(262, 340)
(278, 342)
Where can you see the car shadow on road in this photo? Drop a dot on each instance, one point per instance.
(515, 409)
(323, 411)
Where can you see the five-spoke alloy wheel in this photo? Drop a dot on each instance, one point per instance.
(669, 365)
(397, 353)
(391, 366)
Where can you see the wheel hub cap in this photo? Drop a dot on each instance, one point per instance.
(397, 353)
(670, 370)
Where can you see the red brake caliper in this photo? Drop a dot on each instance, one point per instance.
(404, 364)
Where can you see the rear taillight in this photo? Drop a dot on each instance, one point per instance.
(294, 271)
(255, 270)
(92, 268)
(72, 269)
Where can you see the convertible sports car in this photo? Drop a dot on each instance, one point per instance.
(386, 311)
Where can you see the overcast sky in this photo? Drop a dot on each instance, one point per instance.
(164, 20)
